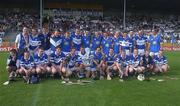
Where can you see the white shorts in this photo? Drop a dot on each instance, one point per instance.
(141, 51)
(153, 53)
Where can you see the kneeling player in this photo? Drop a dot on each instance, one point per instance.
(110, 59)
(136, 63)
(41, 62)
(56, 62)
(161, 63)
(11, 65)
(97, 63)
(122, 64)
(27, 67)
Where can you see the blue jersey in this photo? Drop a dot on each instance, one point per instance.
(77, 41)
(55, 41)
(57, 59)
(116, 45)
(73, 60)
(107, 43)
(86, 41)
(27, 64)
(96, 57)
(131, 43)
(46, 41)
(125, 43)
(66, 44)
(155, 43)
(110, 59)
(124, 61)
(34, 42)
(40, 60)
(140, 41)
(135, 60)
(96, 42)
(160, 60)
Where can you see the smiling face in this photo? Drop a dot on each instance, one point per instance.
(34, 32)
(25, 30)
(26, 55)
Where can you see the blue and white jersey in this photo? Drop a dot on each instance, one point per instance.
(55, 41)
(22, 41)
(57, 58)
(116, 45)
(96, 42)
(27, 64)
(160, 60)
(155, 43)
(96, 57)
(34, 42)
(107, 43)
(132, 43)
(135, 60)
(73, 60)
(86, 41)
(77, 41)
(125, 43)
(123, 60)
(66, 44)
(40, 60)
(110, 59)
(140, 41)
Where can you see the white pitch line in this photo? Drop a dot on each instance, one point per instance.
(36, 95)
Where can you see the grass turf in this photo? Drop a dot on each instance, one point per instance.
(50, 92)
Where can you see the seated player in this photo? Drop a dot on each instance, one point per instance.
(83, 61)
(148, 61)
(56, 62)
(71, 63)
(136, 63)
(97, 63)
(41, 62)
(122, 64)
(161, 63)
(11, 65)
(27, 67)
(110, 59)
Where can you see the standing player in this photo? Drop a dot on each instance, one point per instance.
(141, 42)
(56, 62)
(46, 41)
(125, 44)
(86, 41)
(22, 41)
(67, 43)
(132, 41)
(34, 41)
(76, 40)
(106, 43)
(116, 41)
(27, 67)
(96, 41)
(55, 41)
(154, 43)
(41, 62)
(161, 63)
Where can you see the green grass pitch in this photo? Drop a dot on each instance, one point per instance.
(50, 92)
